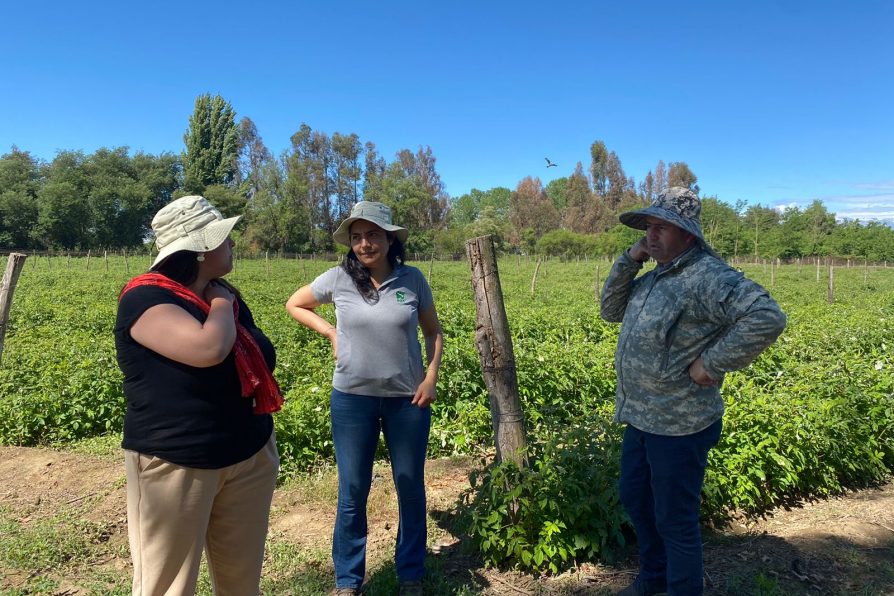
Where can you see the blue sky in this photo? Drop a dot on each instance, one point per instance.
(773, 102)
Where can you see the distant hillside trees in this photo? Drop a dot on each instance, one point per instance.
(294, 201)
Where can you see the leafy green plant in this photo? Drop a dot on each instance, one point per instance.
(560, 509)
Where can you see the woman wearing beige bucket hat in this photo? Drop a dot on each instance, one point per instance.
(200, 453)
(379, 385)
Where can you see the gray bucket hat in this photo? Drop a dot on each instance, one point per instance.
(189, 223)
(677, 205)
(373, 212)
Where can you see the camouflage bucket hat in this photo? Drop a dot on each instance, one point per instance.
(677, 205)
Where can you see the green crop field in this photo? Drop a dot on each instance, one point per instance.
(813, 415)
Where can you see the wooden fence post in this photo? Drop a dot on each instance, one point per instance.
(14, 266)
(494, 342)
(534, 278)
(830, 291)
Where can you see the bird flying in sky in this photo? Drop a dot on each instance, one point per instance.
(549, 164)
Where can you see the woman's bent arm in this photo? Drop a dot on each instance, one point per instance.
(174, 333)
(301, 307)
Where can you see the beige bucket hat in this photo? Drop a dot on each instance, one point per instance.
(371, 211)
(189, 223)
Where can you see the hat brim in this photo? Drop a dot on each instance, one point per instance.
(342, 235)
(637, 220)
(212, 236)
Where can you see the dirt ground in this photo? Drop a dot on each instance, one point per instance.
(841, 545)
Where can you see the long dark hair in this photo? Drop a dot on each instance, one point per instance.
(183, 267)
(360, 273)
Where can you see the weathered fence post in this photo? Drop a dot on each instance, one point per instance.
(830, 291)
(431, 265)
(534, 278)
(597, 290)
(10, 278)
(494, 344)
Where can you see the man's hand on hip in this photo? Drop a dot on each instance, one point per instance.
(699, 375)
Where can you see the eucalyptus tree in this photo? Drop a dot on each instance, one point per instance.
(345, 172)
(583, 213)
(531, 213)
(253, 156)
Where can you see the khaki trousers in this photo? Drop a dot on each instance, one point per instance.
(174, 511)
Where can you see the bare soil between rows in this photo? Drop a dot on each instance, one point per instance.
(839, 545)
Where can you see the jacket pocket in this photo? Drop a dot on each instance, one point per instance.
(669, 338)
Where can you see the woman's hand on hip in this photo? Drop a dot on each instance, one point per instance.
(332, 334)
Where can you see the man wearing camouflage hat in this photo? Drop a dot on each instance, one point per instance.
(684, 324)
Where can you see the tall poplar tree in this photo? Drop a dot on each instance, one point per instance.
(212, 145)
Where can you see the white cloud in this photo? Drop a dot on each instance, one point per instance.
(887, 185)
(863, 206)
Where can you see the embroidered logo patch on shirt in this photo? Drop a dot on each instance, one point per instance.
(400, 296)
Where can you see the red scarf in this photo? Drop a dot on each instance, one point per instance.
(254, 375)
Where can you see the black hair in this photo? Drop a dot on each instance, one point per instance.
(183, 267)
(360, 273)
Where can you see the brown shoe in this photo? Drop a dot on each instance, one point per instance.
(410, 588)
(346, 592)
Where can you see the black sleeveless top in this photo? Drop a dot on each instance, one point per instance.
(194, 417)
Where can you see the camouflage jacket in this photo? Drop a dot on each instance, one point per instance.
(697, 306)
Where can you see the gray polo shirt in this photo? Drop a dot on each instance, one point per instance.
(378, 344)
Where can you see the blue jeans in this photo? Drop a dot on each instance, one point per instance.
(356, 422)
(660, 487)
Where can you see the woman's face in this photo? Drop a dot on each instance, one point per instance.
(370, 244)
(219, 262)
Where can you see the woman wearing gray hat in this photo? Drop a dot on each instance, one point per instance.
(200, 454)
(379, 384)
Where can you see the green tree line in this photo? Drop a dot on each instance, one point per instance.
(294, 201)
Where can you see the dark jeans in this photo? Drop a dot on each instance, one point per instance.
(356, 422)
(660, 487)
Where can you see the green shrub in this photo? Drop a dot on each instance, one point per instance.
(561, 509)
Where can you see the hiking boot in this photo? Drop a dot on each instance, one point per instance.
(642, 588)
(410, 588)
(346, 592)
